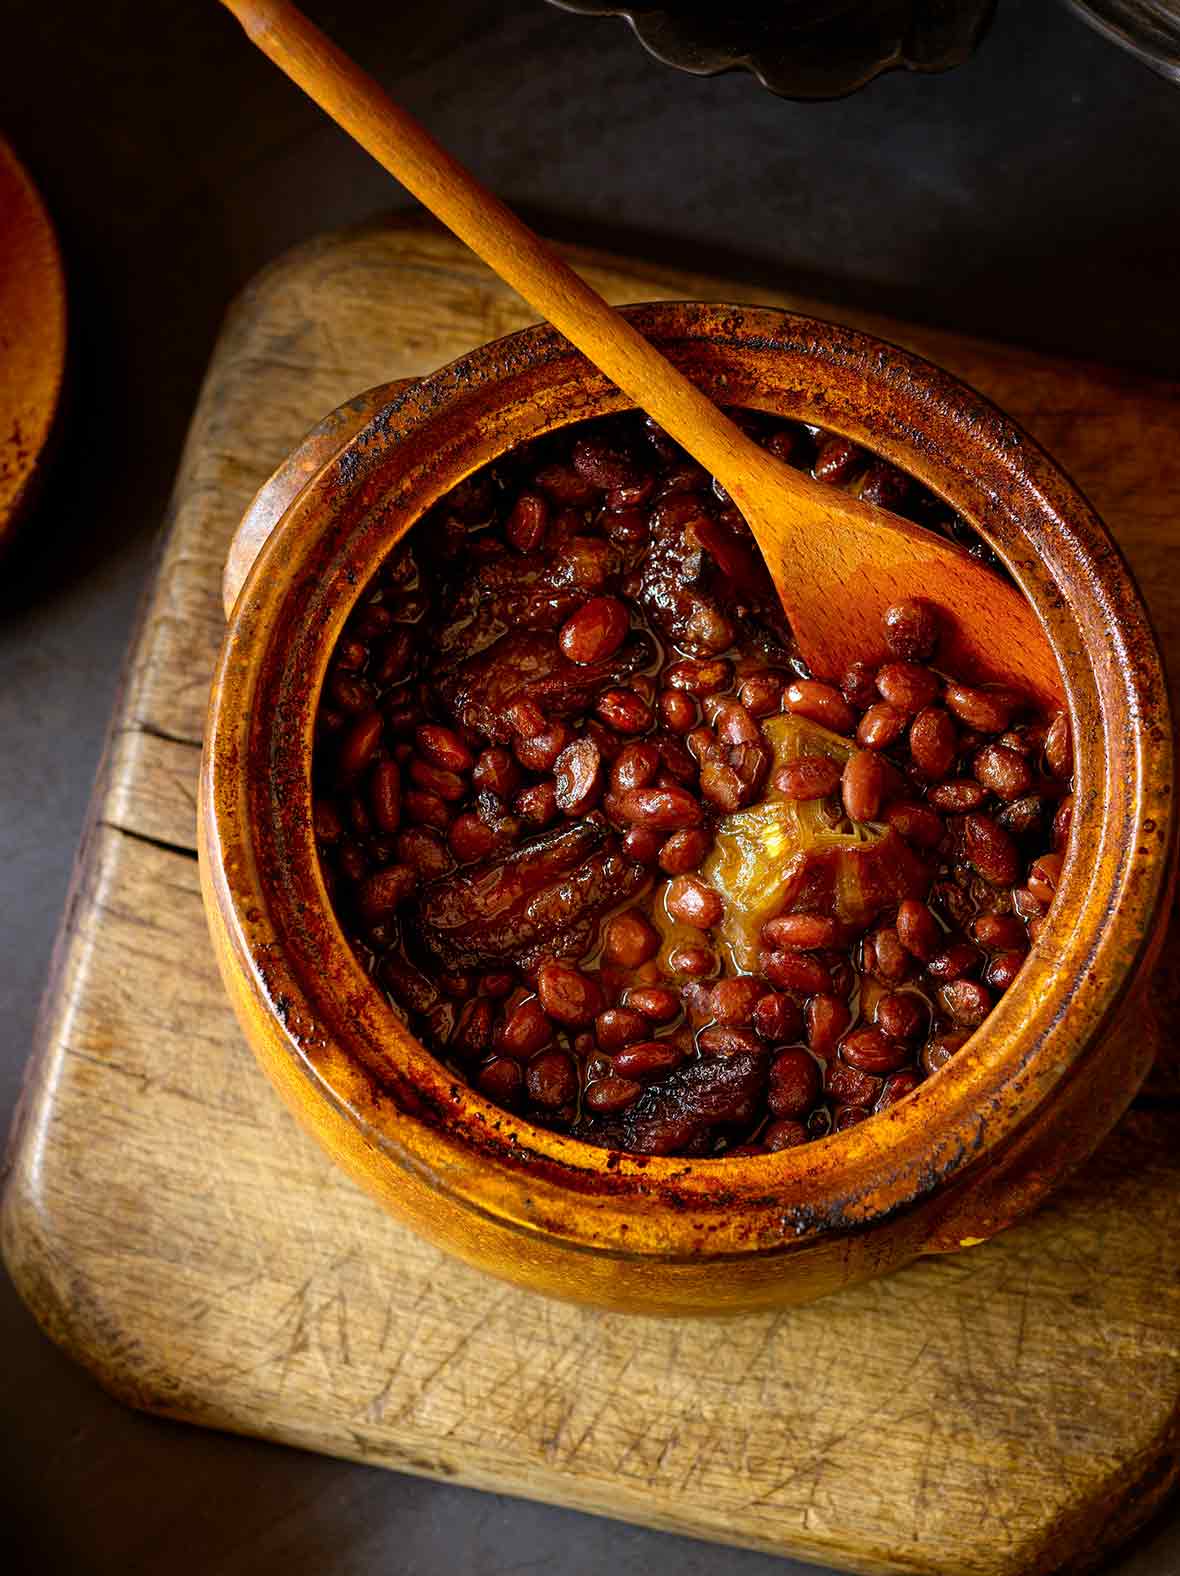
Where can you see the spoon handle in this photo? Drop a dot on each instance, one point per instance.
(406, 149)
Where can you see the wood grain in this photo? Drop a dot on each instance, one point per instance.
(1007, 1411)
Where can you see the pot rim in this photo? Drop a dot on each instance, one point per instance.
(341, 1033)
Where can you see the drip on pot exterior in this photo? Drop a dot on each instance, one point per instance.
(620, 860)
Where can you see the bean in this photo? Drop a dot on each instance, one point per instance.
(630, 939)
(777, 1018)
(933, 741)
(683, 851)
(1003, 770)
(473, 1029)
(443, 747)
(429, 809)
(385, 795)
(1029, 906)
(596, 631)
(827, 1018)
(625, 527)
(1024, 816)
(1000, 932)
(794, 971)
(526, 1030)
(762, 693)
(496, 772)
(423, 850)
(608, 1095)
(733, 1000)
(527, 522)
(1044, 876)
(1059, 746)
(568, 995)
(433, 779)
(885, 486)
(537, 804)
(699, 676)
(501, 1081)
(635, 766)
(656, 1002)
(862, 786)
(360, 743)
(351, 694)
(859, 686)
(953, 962)
(837, 460)
(643, 845)
(794, 1083)
(900, 1014)
(577, 777)
(326, 822)
(869, 1051)
(729, 1040)
(663, 809)
(1062, 821)
(353, 861)
(802, 932)
(551, 1080)
(987, 710)
(819, 703)
(351, 655)
(850, 1085)
(678, 710)
(897, 1086)
(733, 724)
(691, 902)
(958, 796)
(918, 930)
(884, 956)
(1003, 969)
(647, 1059)
(991, 850)
(619, 1026)
(539, 752)
(624, 711)
(808, 777)
(386, 890)
(966, 1002)
(941, 1048)
(692, 962)
(881, 726)
(916, 823)
(525, 718)
(907, 686)
(780, 1135)
(911, 629)
(392, 658)
(471, 839)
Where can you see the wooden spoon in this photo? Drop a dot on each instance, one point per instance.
(836, 562)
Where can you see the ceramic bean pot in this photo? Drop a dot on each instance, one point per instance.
(975, 1146)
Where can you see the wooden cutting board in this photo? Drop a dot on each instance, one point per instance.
(1013, 1409)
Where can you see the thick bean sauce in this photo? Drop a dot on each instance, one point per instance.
(613, 853)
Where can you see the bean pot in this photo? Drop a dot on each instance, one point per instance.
(972, 1148)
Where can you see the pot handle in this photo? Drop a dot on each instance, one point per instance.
(1056, 1144)
(276, 495)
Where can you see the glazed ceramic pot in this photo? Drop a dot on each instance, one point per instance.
(975, 1146)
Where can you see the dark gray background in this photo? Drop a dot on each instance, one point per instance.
(1031, 194)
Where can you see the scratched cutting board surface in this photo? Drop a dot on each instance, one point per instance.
(1014, 1409)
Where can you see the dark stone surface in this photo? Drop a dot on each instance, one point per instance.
(1030, 194)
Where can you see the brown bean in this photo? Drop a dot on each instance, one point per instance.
(1029, 906)
(859, 687)
(897, 1086)
(967, 1002)
(907, 686)
(884, 956)
(607, 1095)
(635, 766)
(918, 930)
(1062, 821)
(360, 743)
(1000, 932)
(385, 795)
(630, 939)
(953, 962)
(777, 1018)
(577, 777)
(733, 1000)
(828, 1018)
(881, 726)
(428, 809)
(733, 724)
(869, 1051)
(527, 522)
(647, 1059)
(862, 786)
(762, 693)
(990, 850)
(987, 710)
(957, 796)
(1003, 969)
(1002, 770)
(917, 823)
(722, 1039)
(699, 676)
(471, 839)
(819, 703)
(794, 1083)
(501, 1081)
(808, 777)
(624, 711)
(525, 718)
(385, 891)
(1059, 746)
(443, 747)
(326, 822)
(596, 631)
(678, 710)
(692, 962)
(691, 902)
(802, 932)
(837, 460)
(423, 850)
(850, 1086)
(350, 694)
(794, 971)
(933, 741)
(900, 1014)
(663, 809)
(551, 1080)
(643, 845)
(526, 1030)
(942, 1047)
(1044, 876)
(473, 1029)
(656, 1002)
(568, 995)
(683, 851)
(433, 779)
(780, 1135)
(537, 804)
(619, 1026)
(911, 630)
(539, 751)
(496, 772)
